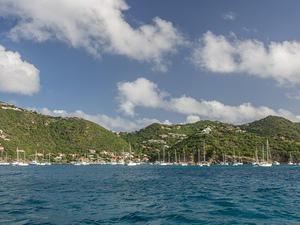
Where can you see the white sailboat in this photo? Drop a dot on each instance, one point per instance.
(130, 163)
(235, 163)
(205, 163)
(2, 162)
(199, 163)
(224, 162)
(24, 163)
(264, 163)
(290, 160)
(175, 158)
(184, 162)
(163, 163)
(49, 160)
(256, 162)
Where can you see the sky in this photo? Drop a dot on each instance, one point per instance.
(125, 64)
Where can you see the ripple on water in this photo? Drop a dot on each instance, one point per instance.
(149, 195)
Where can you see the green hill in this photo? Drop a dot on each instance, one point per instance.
(220, 138)
(274, 126)
(32, 132)
(36, 132)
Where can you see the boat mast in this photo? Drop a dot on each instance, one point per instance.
(267, 150)
(175, 156)
(204, 151)
(130, 151)
(158, 156)
(291, 159)
(198, 155)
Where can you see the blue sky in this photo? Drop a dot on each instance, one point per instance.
(126, 64)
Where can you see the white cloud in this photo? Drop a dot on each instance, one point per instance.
(95, 25)
(111, 123)
(229, 16)
(194, 109)
(192, 119)
(16, 75)
(278, 60)
(141, 92)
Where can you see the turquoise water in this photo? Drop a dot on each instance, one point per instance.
(65, 194)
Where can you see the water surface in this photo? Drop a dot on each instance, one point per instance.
(66, 194)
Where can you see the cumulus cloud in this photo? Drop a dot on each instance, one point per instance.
(16, 75)
(141, 92)
(194, 109)
(229, 16)
(95, 25)
(192, 119)
(278, 60)
(111, 123)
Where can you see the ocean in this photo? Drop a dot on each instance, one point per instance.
(97, 194)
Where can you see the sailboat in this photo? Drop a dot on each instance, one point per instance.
(163, 163)
(224, 163)
(205, 163)
(35, 161)
(240, 163)
(20, 163)
(184, 162)
(3, 163)
(199, 163)
(256, 162)
(130, 163)
(235, 163)
(49, 161)
(175, 160)
(291, 160)
(264, 163)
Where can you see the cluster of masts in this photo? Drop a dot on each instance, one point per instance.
(264, 162)
(179, 161)
(21, 159)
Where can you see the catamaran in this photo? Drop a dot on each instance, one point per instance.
(18, 162)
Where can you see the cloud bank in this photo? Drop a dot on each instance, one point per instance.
(17, 76)
(97, 26)
(278, 60)
(111, 123)
(144, 93)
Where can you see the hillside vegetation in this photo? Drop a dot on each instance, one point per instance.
(32, 132)
(218, 139)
